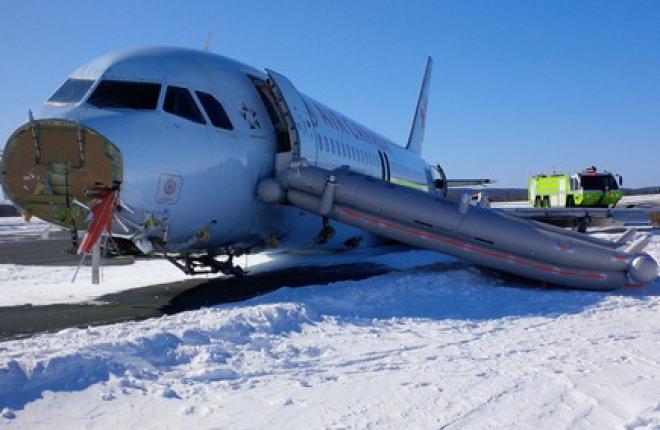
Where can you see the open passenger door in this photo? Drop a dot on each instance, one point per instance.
(296, 115)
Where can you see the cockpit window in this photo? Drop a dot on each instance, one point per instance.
(125, 95)
(214, 111)
(179, 101)
(71, 91)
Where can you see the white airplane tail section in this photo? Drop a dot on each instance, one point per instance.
(419, 120)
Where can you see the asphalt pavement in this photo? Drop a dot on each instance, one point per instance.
(146, 302)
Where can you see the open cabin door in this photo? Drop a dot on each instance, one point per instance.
(298, 120)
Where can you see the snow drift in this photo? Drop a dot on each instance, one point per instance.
(441, 346)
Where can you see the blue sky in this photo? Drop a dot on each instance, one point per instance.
(519, 87)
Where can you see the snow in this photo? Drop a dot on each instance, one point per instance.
(42, 285)
(416, 349)
(653, 199)
(435, 345)
(17, 225)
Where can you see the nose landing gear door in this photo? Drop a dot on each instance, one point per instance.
(298, 118)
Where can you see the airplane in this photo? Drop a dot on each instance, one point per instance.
(192, 156)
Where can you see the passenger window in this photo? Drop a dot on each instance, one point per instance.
(179, 102)
(71, 91)
(214, 111)
(125, 95)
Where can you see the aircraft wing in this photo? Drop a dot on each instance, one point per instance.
(443, 183)
(452, 183)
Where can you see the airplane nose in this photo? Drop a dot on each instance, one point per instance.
(48, 163)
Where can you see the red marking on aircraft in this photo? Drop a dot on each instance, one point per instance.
(473, 248)
(101, 220)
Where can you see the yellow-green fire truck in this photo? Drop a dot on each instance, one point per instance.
(588, 188)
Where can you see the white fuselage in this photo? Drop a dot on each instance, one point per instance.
(199, 178)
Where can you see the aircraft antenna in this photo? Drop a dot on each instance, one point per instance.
(207, 43)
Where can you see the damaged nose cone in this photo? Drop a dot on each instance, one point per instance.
(643, 269)
(47, 164)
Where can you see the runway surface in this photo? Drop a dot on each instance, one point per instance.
(150, 301)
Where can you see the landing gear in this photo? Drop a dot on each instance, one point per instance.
(352, 242)
(205, 263)
(582, 224)
(326, 233)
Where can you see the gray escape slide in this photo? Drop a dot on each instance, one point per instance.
(482, 236)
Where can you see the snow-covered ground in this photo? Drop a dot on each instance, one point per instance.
(42, 285)
(17, 225)
(429, 347)
(448, 348)
(626, 200)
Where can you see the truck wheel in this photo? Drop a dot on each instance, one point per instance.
(546, 202)
(570, 202)
(537, 202)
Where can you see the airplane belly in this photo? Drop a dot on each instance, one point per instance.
(298, 230)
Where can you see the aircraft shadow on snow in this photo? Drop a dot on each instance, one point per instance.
(462, 292)
(223, 290)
